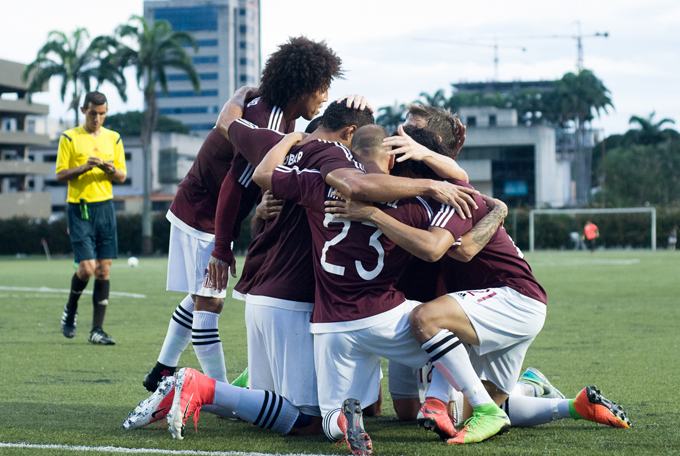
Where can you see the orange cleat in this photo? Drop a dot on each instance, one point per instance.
(592, 406)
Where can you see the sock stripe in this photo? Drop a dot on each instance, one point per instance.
(269, 412)
(205, 336)
(181, 323)
(264, 407)
(181, 311)
(445, 351)
(205, 330)
(327, 424)
(206, 342)
(276, 415)
(440, 343)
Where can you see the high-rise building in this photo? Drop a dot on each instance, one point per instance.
(228, 36)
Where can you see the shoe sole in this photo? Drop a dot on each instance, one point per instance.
(174, 416)
(595, 397)
(430, 424)
(143, 414)
(358, 441)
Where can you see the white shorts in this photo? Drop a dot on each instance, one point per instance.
(281, 354)
(506, 323)
(188, 259)
(348, 363)
(408, 382)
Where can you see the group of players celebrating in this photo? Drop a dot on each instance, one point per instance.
(365, 246)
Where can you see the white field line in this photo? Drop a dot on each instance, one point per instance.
(585, 262)
(112, 449)
(59, 290)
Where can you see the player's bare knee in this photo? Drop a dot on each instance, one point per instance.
(206, 304)
(85, 269)
(422, 323)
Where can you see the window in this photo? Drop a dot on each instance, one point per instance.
(31, 126)
(119, 205)
(128, 156)
(248, 46)
(471, 121)
(492, 120)
(246, 29)
(189, 19)
(51, 158)
(246, 78)
(205, 59)
(185, 77)
(247, 62)
(202, 43)
(188, 93)
(160, 205)
(250, 14)
(188, 110)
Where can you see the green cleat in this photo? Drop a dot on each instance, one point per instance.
(542, 386)
(241, 380)
(486, 421)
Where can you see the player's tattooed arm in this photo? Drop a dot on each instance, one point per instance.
(233, 109)
(404, 145)
(474, 240)
(268, 208)
(263, 173)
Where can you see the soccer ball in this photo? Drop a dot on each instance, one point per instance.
(133, 262)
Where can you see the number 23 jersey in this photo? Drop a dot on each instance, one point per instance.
(355, 265)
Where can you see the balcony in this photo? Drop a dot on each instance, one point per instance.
(20, 108)
(22, 138)
(22, 168)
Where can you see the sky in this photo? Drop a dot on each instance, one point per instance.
(394, 50)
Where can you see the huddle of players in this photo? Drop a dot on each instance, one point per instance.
(320, 279)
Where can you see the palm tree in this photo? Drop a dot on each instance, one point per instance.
(157, 49)
(69, 58)
(391, 116)
(437, 100)
(575, 98)
(650, 132)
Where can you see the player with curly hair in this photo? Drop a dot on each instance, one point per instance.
(295, 84)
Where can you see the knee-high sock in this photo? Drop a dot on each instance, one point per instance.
(100, 301)
(439, 387)
(261, 408)
(524, 389)
(205, 337)
(331, 427)
(451, 359)
(526, 411)
(77, 287)
(179, 333)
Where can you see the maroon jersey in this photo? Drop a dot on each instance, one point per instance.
(499, 264)
(355, 265)
(279, 263)
(195, 203)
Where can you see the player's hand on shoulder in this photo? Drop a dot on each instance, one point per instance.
(493, 203)
(460, 198)
(218, 272)
(347, 209)
(406, 147)
(269, 207)
(357, 101)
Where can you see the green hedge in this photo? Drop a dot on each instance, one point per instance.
(21, 235)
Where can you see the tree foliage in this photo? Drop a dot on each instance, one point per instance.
(130, 124)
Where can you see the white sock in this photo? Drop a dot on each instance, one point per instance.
(331, 427)
(524, 389)
(440, 388)
(205, 337)
(451, 359)
(261, 408)
(526, 411)
(179, 333)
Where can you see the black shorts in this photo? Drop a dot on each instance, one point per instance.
(97, 237)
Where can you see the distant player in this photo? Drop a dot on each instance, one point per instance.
(673, 238)
(90, 158)
(592, 233)
(295, 84)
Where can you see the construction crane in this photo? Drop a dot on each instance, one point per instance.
(495, 47)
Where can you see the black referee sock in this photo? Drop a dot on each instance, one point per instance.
(77, 287)
(100, 300)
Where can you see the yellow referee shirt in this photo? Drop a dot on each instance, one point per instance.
(75, 146)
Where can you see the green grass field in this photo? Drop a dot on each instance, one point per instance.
(613, 320)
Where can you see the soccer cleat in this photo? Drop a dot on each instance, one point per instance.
(192, 390)
(241, 380)
(481, 426)
(99, 337)
(592, 406)
(68, 323)
(351, 421)
(434, 416)
(154, 408)
(153, 378)
(542, 386)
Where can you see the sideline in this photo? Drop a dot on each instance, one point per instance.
(59, 290)
(112, 449)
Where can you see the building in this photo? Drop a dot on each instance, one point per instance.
(17, 171)
(228, 36)
(172, 154)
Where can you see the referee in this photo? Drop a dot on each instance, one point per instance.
(90, 157)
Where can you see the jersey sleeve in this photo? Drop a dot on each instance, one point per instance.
(64, 153)
(444, 216)
(338, 157)
(251, 141)
(301, 186)
(119, 155)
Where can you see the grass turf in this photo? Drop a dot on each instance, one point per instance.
(612, 321)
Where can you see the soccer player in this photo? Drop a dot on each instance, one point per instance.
(90, 158)
(295, 84)
(592, 233)
(497, 309)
